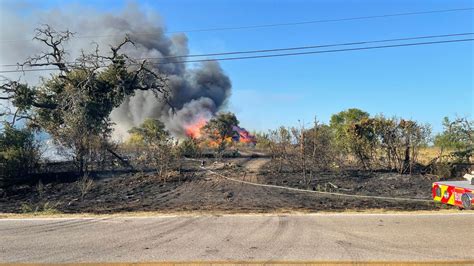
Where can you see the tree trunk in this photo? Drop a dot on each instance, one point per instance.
(406, 161)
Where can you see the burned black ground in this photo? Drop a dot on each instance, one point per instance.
(196, 189)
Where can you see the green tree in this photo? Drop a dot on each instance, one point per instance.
(157, 145)
(149, 132)
(458, 135)
(220, 130)
(361, 139)
(220, 127)
(341, 123)
(19, 154)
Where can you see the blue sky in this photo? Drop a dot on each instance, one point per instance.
(424, 83)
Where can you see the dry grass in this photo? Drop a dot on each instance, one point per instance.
(40, 209)
(428, 154)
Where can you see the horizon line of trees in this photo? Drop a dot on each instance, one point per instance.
(354, 138)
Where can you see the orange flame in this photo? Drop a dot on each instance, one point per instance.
(243, 136)
(194, 130)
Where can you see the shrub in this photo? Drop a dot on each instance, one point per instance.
(157, 146)
(85, 185)
(189, 148)
(19, 154)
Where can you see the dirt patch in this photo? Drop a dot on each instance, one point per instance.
(195, 189)
(255, 165)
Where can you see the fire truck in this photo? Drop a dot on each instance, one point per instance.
(456, 193)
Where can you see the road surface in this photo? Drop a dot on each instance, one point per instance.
(318, 237)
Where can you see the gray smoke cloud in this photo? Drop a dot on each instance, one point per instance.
(195, 91)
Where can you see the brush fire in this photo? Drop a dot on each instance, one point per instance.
(239, 135)
(194, 130)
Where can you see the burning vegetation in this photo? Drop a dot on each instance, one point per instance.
(193, 130)
(222, 128)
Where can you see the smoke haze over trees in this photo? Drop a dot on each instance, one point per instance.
(195, 91)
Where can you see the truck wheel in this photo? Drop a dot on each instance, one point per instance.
(466, 201)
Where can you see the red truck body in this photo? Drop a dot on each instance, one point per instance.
(456, 193)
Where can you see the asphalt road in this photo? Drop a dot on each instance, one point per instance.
(347, 237)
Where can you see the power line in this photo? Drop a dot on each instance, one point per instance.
(279, 55)
(314, 46)
(289, 48)
(328, 20)
(276, 24)
(320, 52)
